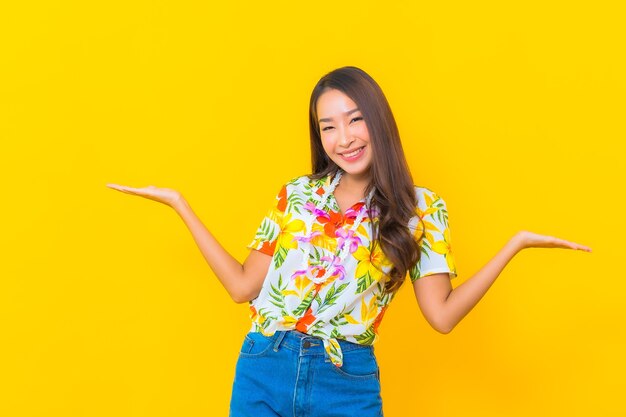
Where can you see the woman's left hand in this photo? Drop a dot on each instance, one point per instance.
(528, 239)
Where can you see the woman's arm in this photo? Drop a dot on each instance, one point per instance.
(243, 282)
(444, 307)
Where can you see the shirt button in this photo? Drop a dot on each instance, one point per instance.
(306, 344)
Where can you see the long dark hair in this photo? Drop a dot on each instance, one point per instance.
(394, 195)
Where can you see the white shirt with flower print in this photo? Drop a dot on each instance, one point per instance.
(323, 279)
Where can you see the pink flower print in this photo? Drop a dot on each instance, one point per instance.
(347, 236)
(307, 238)
(299, 272)
(335, 267)
(311, 208)
(354, 211)
(314, 272)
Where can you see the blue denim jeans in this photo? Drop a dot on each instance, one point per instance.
(289, 374)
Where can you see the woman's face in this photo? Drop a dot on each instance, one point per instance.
(344, 131)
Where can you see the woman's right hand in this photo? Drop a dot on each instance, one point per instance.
(166, 196)
(528, 239)
(243, 282)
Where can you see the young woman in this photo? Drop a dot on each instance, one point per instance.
(329, 257)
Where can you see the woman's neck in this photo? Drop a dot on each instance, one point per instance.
(354, 185)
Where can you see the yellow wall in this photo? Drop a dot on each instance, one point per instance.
(513, 113)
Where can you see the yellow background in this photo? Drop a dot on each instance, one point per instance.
(513, 113)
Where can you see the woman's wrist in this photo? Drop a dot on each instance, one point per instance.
(518, 241)
(179, 203)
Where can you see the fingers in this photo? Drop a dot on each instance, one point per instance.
(125, 189)
(537, 240)
(116, 186)
(582, 247)
(120, 187)
(574, 245)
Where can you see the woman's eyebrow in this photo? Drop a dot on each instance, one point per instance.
(330, 119)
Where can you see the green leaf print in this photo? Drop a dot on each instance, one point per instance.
(267, 231)
(335, 333)
(317, 255)
(318, 299)
(319, 333)
(280, 255)
(315, 184)
(366, 338)
(339, 321)
(364, 282)
(442, 213)
(386, 298)
(278, 299)
(295, 203)
(317, 325)
(426, 248)
(340, 318)
(331, 296)
(266, 324)
(266, 313)
(304, 305)
(415, 272)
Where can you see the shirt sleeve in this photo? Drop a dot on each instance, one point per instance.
(269, 229)
(435, 245)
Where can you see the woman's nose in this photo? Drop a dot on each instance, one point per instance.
(346, 140)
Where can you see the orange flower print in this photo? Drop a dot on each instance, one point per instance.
(255, 316)
(268, 247)
(379, 318)
(331, 223)
(318, 271)
(305, 321)
(282, 201)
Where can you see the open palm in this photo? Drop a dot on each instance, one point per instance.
(166, 196)
(534, 240)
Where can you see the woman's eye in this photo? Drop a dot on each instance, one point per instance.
(356, 118)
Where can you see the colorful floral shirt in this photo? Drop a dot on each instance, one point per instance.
(324, 279)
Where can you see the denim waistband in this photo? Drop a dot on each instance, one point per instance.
(307, 344)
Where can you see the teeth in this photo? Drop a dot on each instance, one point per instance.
(349, 155)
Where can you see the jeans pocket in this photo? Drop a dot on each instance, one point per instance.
(256, 344)
(358, 364)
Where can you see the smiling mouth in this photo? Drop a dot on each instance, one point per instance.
(352, 153)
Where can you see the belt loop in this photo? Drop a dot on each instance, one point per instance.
(281, 335)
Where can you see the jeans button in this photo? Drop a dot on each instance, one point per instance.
(306, 344)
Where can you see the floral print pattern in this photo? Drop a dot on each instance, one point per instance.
(325, 279)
